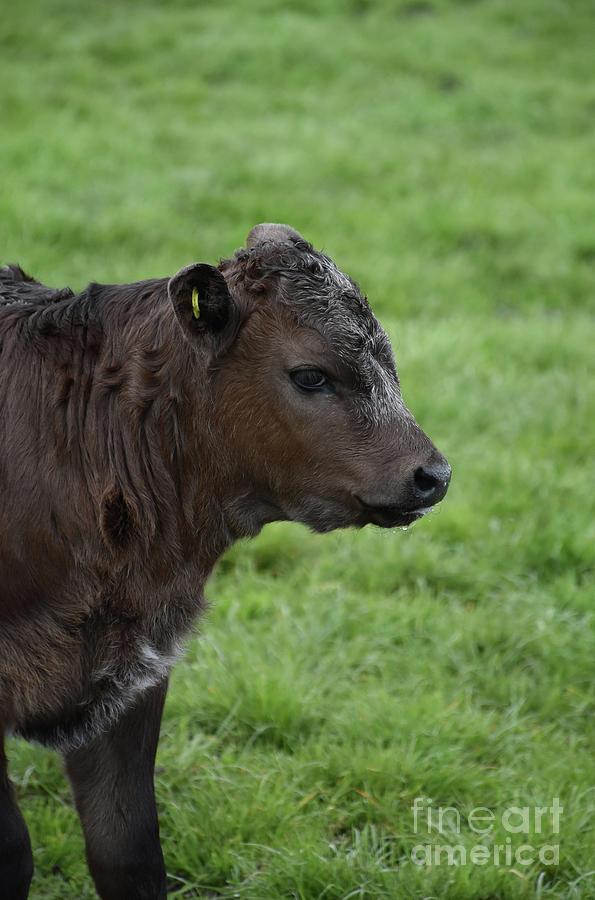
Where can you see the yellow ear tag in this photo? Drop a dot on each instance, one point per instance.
(195, 306)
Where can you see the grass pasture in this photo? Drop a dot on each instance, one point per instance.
(442, 152)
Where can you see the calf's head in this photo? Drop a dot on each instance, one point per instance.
(306, 413)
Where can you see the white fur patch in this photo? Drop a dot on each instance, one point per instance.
(118, 683)
(149, 667)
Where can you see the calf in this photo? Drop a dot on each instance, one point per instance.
(143, 429)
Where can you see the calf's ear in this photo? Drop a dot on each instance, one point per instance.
(201, 300)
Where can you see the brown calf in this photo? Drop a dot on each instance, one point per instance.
(143, 429)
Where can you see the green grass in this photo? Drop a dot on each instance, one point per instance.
(442, 152)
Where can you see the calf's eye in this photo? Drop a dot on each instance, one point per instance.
(310, 379)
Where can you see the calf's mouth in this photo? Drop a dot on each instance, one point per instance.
(390, 516)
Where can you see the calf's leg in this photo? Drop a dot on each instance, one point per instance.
(112, 781)
(16, 859)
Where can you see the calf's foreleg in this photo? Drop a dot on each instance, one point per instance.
(16, 859)
(112, 781)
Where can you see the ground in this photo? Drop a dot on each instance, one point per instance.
(442, 152)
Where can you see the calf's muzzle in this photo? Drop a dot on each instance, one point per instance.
(419, 488)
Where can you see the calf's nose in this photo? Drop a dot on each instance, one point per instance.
(431, 481)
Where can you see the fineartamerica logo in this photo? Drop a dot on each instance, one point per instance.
(481, 820)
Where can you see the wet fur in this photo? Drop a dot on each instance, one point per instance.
(98, 520)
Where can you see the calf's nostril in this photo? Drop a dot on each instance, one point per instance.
(431, 482)
(425, 481)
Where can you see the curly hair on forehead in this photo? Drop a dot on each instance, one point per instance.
(300, 275)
